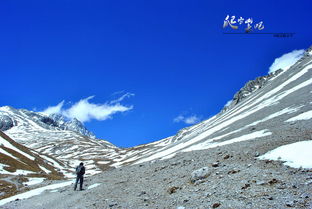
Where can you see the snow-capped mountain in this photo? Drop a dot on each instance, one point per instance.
(250, 87)
(68, 141)
(52, 122)
(71, 125)
(267, 108)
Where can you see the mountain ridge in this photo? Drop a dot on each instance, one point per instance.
(58, 138)
(52, 121)
(20, 165)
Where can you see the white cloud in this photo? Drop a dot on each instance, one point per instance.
(191, 120)
(286, 60)
(54, 109)
(85, 111)
(178, 119)
(124, 96)
(188, 120)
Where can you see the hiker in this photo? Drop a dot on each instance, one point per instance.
(80, 171)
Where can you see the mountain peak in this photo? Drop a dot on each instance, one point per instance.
(9, 116)
(77, 126)
(250, 87)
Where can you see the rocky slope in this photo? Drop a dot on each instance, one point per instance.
(21, 167)
(250, 87)
(256, 116)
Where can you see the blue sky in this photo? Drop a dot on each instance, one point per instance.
(167, 58)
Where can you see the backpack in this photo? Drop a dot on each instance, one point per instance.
(78, 170)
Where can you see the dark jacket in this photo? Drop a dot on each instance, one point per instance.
(80, 170)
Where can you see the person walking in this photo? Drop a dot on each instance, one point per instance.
(80, 171)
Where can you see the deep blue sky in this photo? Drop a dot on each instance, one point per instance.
(172, 55)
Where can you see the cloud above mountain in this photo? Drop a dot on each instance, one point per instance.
(286, 60)
(54, 109)
(86, 111)
(187, 119)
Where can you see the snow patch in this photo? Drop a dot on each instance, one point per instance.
(103, 162)
(2, 151)
(287, 110)
(44, 169)
(208, 144)
(17, 172)
(55, 190)
(93, 186)
(296, 154)
(303, 116)
(93, 172)
(9, 145)
(32, 181)
(34, 192)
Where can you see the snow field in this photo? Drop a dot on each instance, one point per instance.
(295, 155)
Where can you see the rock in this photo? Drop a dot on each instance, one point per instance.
(233, 171)
(257, 154)
(273, 181)
(112, 204)
(305, 195)
(142, 193)
(215, 164)
(173, 189)
(215, 205)
(5, 122)
(271, 198)
(290, 203)
(175, 164)
(199, 174)
(208, 194)
(246, 186)
(226, 157)
(308, 182)
(199, 182)
(253, 128)
(261, 183)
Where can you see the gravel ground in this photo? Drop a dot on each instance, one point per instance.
(237, 179)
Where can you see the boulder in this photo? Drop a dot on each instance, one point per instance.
(5, 123)
(199, 174)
